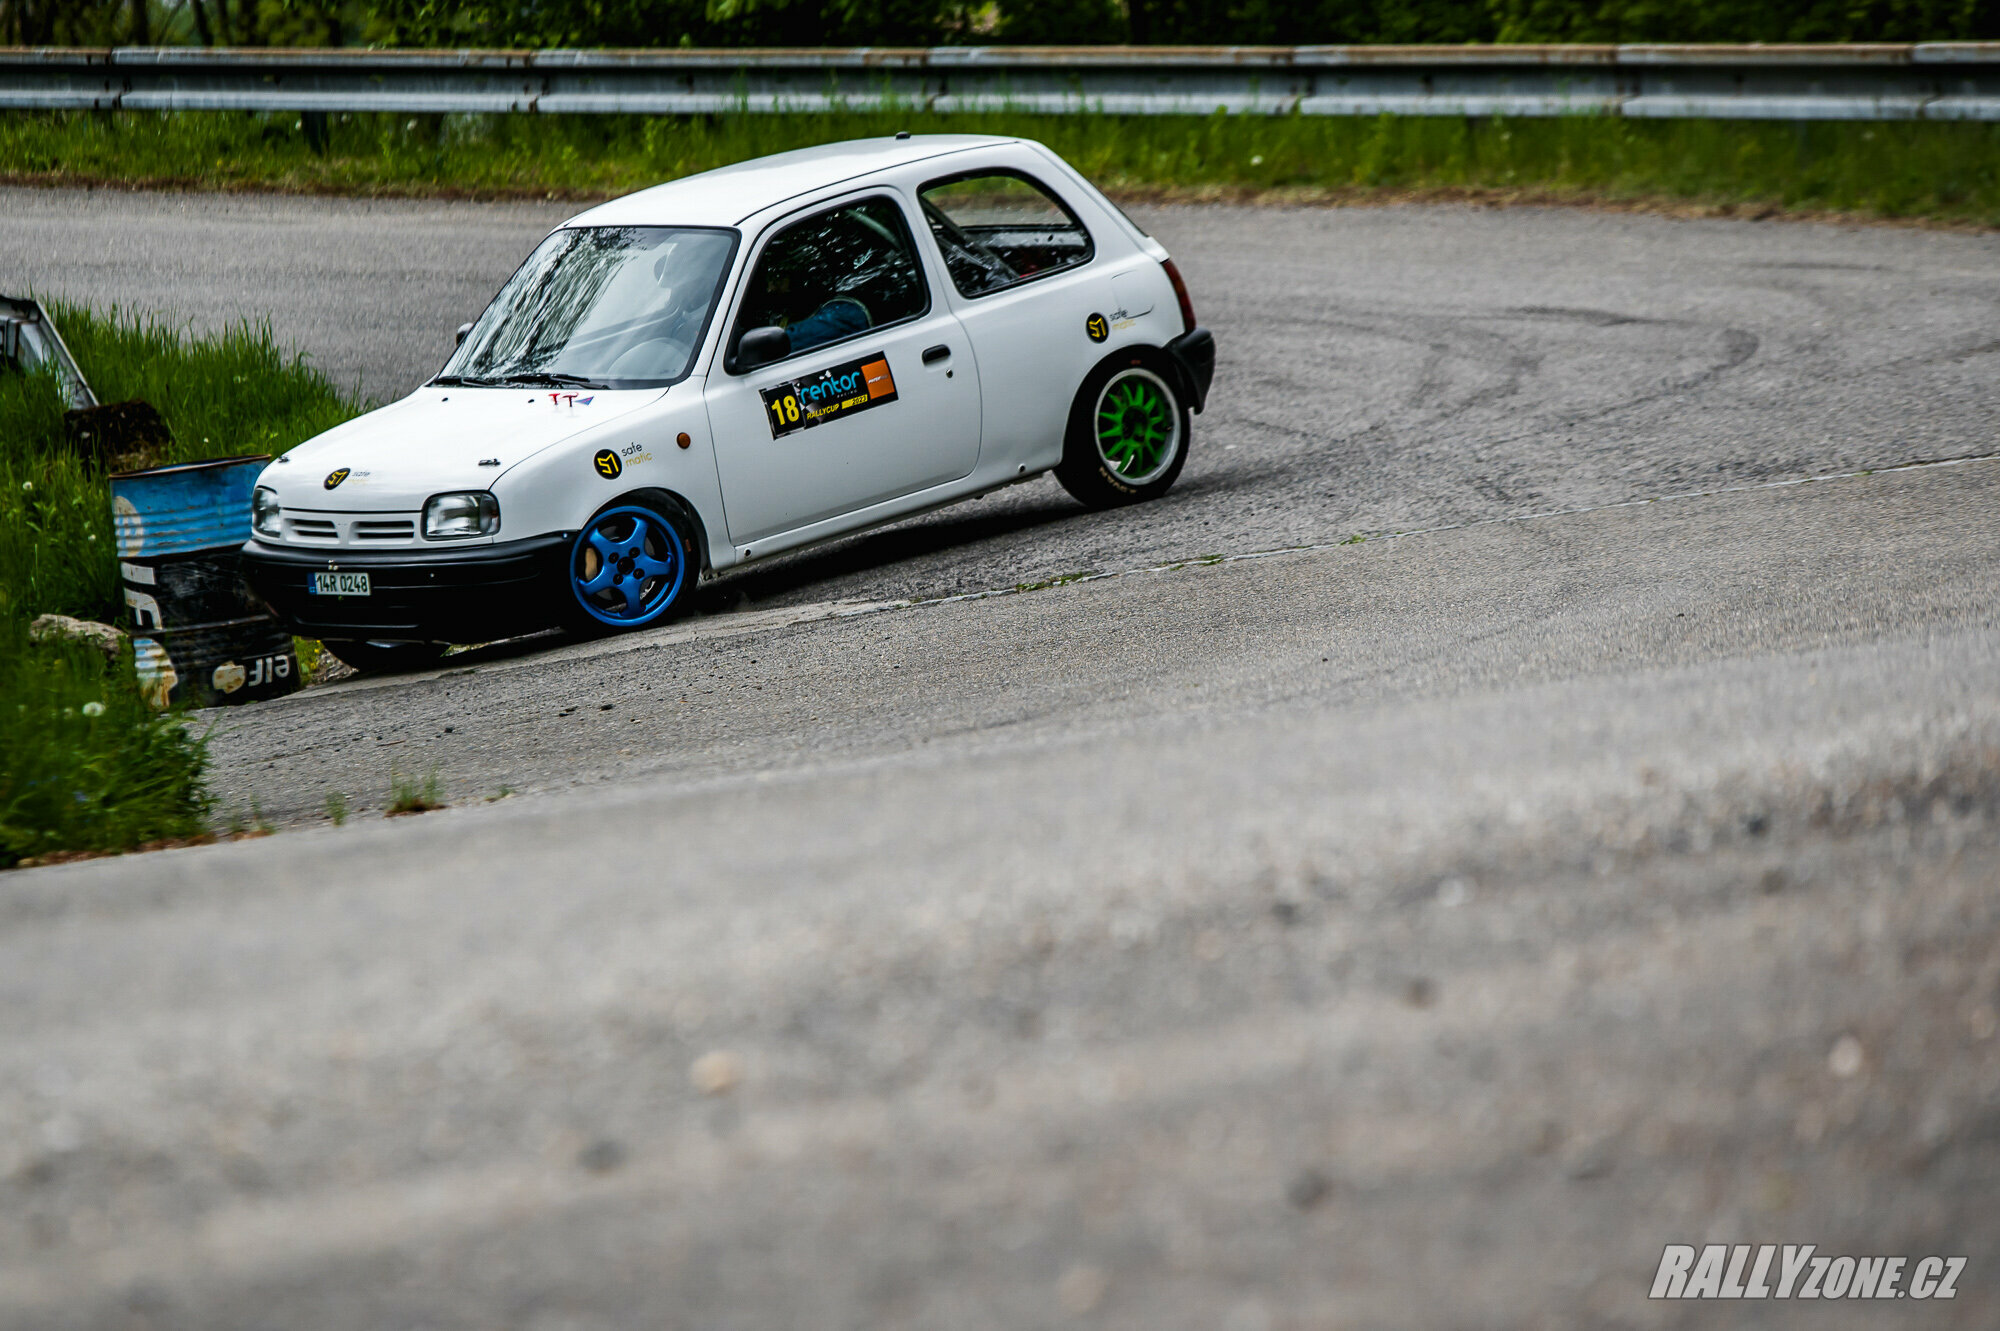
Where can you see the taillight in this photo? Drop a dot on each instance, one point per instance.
(1180, 294)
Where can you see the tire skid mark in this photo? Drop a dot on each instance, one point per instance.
(1443, 340)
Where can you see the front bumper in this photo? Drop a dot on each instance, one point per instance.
(1194, 352)
(468, 594)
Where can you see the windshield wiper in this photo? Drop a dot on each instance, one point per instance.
(545, 377)
(506, 380)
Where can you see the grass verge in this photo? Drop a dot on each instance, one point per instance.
(1933, 171)
(85, 767)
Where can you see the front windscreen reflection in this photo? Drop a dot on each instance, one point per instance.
(608, 306)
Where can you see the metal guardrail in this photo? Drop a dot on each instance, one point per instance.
(1926, 81)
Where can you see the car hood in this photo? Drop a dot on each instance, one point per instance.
(437, 439)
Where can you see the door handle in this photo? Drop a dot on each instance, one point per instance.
(936, 354)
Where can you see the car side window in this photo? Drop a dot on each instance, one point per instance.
(997, 228)
(836, 275)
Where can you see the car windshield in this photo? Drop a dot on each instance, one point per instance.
(602, 306)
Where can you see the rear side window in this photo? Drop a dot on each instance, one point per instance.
(836, 275)
(998, 228)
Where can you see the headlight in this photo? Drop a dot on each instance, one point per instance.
(265, 511)
(455, 516)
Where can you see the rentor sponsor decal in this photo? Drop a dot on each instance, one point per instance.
(840, 391)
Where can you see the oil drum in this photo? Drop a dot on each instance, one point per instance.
(198, 635)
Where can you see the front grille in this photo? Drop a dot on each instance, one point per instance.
(312, 529)
(350, 529)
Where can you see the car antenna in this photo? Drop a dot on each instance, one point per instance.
(902, 134)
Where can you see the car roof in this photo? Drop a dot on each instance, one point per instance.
(728, 195)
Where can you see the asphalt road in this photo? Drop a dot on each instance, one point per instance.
(1379, 369)
(1420, 931)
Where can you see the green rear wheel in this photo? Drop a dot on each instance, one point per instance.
(1138, 425)
(1128, 433)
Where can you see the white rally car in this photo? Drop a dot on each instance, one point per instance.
(734, 365)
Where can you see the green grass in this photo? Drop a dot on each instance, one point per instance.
(1940, 171)
(84, 764)
(407, 794)
(119, 777)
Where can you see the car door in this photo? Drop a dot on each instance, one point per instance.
(877, 398)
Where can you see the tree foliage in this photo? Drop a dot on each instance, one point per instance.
(174, 22)
(1230, 22)
(644, 23)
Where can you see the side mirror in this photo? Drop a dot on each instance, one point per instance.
(761, 346)
(463, 329)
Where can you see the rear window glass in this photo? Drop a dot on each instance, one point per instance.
(999, 228)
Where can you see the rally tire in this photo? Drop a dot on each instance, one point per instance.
(632, 566)
(1129, 432)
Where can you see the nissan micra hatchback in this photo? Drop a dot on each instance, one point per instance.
(735, 365)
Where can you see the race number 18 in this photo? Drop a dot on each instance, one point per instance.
(785, 410)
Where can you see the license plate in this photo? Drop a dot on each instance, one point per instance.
(341, 584)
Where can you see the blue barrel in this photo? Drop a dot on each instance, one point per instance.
(199, 635)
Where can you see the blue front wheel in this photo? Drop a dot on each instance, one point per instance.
(629, 566)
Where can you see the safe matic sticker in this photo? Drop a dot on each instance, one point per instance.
(840, 391)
